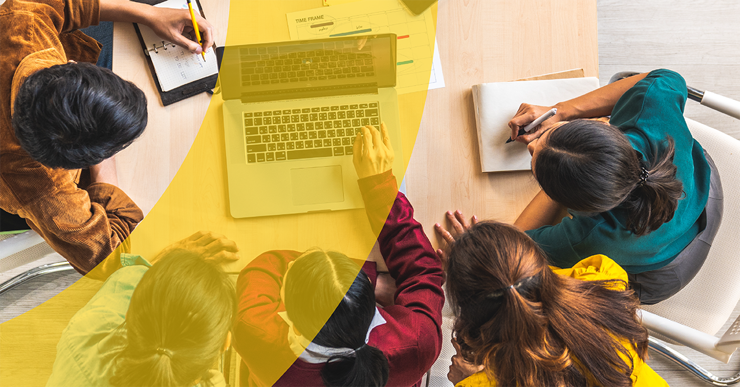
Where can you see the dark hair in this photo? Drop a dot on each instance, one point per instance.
(315, 284)
(76, 115)
(177, 323)
(546, 329)
(590, 166)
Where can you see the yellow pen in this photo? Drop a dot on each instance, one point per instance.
(195, 27)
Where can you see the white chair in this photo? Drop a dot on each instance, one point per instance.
(19, 251)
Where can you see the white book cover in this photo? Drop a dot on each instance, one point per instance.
(496, 104)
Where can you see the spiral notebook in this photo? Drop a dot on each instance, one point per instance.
(177, 73)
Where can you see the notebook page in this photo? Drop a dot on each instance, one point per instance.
(174, 65)
(496, 103)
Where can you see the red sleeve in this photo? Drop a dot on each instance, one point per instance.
(411, 260)
(260, 335)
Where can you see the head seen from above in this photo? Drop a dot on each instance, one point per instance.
(530, 326)
(76, 115)
(312, 286)
(178, 323)
(590, 166)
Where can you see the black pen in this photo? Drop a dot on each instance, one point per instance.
(535, 123)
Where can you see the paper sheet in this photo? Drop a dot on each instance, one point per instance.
(416, 44)
(496, 103)
(176, 66)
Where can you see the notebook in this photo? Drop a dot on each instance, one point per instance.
(178, 73)
(495, 104)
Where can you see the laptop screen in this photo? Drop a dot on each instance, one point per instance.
(267, 71)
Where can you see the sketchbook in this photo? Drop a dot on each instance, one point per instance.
(495, 104)
(177, 73)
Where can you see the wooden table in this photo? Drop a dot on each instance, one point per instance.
(479, 41)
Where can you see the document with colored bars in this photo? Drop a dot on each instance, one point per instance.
(416, 48)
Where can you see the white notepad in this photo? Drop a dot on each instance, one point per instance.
(496, 104)
(174, 65)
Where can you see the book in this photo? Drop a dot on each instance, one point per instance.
(495, 104)
(177, 73)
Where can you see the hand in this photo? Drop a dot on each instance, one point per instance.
(105, 172)
(208, 245)
(459, 226)
(461, 369)
(526, 115)
(371, 154)
(171, 24)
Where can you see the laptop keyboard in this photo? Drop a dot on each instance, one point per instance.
(334, 60)
(318, 131)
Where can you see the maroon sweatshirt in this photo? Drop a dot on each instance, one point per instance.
(411, 338)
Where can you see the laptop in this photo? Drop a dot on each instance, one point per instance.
(291, 113)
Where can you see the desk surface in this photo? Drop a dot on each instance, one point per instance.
(479, 41)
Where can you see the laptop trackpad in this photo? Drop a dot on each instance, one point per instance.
(317, 185)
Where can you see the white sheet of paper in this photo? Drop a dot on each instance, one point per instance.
(496, 104)
(415, 46)
(176, 66)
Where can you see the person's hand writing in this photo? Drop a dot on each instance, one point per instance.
(527, 114)
(373, 152)
(461, 369)
(208, 245)
(173, 24)
(459, 226)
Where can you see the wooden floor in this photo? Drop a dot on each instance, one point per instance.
(699, 39)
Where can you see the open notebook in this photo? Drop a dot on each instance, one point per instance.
(173, 66)
(496, 104)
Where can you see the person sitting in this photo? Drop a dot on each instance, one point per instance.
(160, 324)
(639, 189)
(59, 114)
(519, 322)
(286, 298)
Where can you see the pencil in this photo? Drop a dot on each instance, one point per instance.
(195, 27)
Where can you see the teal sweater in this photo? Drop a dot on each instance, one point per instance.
(647, 113)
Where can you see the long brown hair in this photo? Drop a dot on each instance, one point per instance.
(590, 166)
(532, 327)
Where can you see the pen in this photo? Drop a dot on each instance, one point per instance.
(195, 27)
(536, 122)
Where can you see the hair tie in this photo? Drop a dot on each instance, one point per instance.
(511, 287)
(165, 351)
(643, 176)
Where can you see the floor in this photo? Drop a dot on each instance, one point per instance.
(699, 39)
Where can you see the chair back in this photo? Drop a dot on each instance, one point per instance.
(709, 299)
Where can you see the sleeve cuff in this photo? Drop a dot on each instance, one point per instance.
(133, 259)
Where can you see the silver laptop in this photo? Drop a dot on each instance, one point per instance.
(291, 113)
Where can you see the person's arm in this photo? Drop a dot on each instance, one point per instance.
(541, 211)
(168, 24)
(407, 252)
(260, 335)
(597, 103)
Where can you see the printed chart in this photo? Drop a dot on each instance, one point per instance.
(415, 47)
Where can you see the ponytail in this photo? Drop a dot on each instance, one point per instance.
(369, 367)
(598, 160)
(655, 196)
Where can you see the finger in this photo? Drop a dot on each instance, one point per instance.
(460, 218)
(386, 136)
(207, 32)
(196, 236)
(473, 220)
(455, 224)
(190, 45)
(224, 256)
(376, 137)
(442, 257)
(366, 140)
(206, 238)
(444, 233)
(221, 244)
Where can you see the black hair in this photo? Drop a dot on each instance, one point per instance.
(76, 115)
(590, 166)
(316, 282)
(177, 323)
